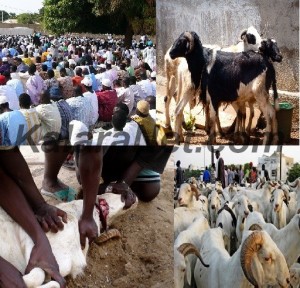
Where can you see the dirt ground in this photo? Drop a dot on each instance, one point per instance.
(143, 257)
(227, 116)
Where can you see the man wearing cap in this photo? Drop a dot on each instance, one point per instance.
(5, 65)
(13, 125)
(48, 62)
(16, 84)
(91, 95)
(107, 100)
(146, 122)
(101, 75)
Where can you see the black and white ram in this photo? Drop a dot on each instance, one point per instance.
(232, 77)
(184, 77)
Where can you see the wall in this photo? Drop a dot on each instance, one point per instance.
(220, 22)
(18, 29)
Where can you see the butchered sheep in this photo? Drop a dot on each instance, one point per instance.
(16, 245)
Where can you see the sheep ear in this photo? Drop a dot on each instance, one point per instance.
(244, 32)
(257, 270)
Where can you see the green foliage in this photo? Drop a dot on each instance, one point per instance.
(26, 18)
(294, 172)
(5, 15)
(192, 173)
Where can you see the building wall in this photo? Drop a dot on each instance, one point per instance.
(220, 22)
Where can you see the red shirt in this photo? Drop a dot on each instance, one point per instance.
(77, 82)
(107, 101)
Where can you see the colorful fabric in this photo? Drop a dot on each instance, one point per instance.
(50, 120)
(148, 127)
(33, 124)
(107, 101)
(82, 109)
(66, 85)
(66, 117)
(13, 128)
(35, 86)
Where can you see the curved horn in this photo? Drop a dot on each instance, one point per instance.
(294, 184)
(112, 233)
(250, 246)
(255, 227)
(190, 38)
(188, 248)
(195, 191)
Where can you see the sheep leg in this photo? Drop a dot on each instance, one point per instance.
(171, 87)
(34, 278)
(212, 122)
(248, 129)
(51, 284)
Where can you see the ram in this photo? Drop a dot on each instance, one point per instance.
(16, 245)
(234, 77)
(287, 239)
(257, 262)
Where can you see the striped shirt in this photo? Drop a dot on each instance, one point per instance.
(34, 125)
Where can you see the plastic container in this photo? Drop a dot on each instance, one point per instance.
(284, 119)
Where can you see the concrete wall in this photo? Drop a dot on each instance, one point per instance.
(18, 29)
(221, 21)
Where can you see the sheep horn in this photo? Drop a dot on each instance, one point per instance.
(188, 248)
(195, 191)
(190, 38)
(107, 235)
(250, 246)
(244, 32)
(293, 184)
(255, 227)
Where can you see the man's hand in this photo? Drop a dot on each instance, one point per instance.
(129, 198)
(41, 256)
(10, 276)
(87, 229)
(50, 217)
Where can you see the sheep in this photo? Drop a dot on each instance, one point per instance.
(183, 266)
(296, 187)
(280, 209)
(287, 238)
(215, 201)
(295, 275)
(184, 71)
(65, 244)
(188, 196)
(227, 221)
(249, 40)
(247, 76)
(183, 217)
(242, 207)
(257, 262)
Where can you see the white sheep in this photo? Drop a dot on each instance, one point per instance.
(287, 238)
(280, 212)
(216, 200)
(184, 265)
(295, 275)
(16, 245)
(183, 218)
(257, 262)
(227, 221)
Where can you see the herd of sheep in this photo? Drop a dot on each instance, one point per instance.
(237, 236)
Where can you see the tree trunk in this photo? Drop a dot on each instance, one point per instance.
(128, 35)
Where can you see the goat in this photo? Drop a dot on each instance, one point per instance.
(16, 245)
(232, 77)
(287, 238)
(257, 262)
(216, 200)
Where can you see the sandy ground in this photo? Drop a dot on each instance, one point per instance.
(143, 257)
(227, 116)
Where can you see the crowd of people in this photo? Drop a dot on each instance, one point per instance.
(226, 174)
(47, 82)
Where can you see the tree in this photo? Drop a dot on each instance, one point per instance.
(294, 172)
(136, 13)
(26, 18)
(5, 15)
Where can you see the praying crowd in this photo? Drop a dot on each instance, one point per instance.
(63, 88)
